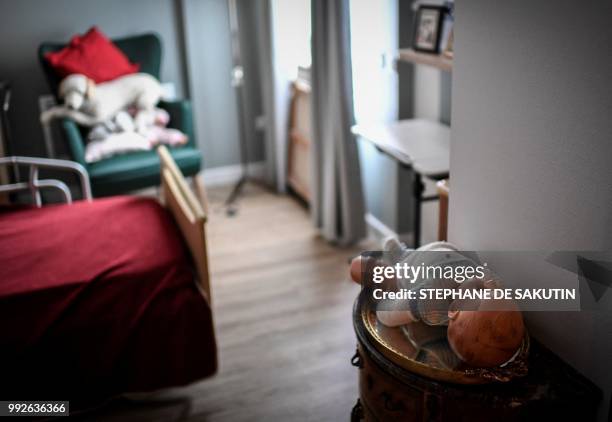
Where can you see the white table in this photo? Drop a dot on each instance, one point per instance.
(419, 144)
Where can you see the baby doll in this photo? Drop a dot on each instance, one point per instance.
(483, 333)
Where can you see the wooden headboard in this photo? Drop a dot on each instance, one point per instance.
(188, 214)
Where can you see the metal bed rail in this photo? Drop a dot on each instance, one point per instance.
(34, 184)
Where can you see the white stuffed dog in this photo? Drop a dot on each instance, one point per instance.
(89, 103)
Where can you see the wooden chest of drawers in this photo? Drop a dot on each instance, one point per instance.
(551, 391)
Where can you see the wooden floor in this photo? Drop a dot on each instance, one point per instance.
(282, 303)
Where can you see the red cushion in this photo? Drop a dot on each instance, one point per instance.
(92, 55)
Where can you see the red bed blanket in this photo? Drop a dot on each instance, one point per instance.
(96, 299)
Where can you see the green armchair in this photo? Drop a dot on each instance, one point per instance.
(136, 170)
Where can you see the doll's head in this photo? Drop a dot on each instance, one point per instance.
(488, 336)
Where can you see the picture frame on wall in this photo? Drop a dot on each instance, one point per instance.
(428, 28)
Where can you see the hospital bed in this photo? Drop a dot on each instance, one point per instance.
(103, 297)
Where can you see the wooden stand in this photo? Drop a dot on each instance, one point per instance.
(188, 215)
(552, 391)
(420, 145)
(439, 61)
(442, 187)
(298, 176)
(200, 191)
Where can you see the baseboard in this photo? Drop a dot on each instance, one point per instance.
(226, 175)
(379, 231)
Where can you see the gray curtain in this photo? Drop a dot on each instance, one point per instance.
(337, 198)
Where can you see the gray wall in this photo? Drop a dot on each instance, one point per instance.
(387, 188)
(196, 59)
(249, 20)
(210, 63)
(405, 70)
(393, 204)
(386, 184)
(531, 149)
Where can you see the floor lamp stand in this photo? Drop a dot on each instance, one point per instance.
(238, 85)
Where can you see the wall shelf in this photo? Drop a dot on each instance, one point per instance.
(435, 60)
